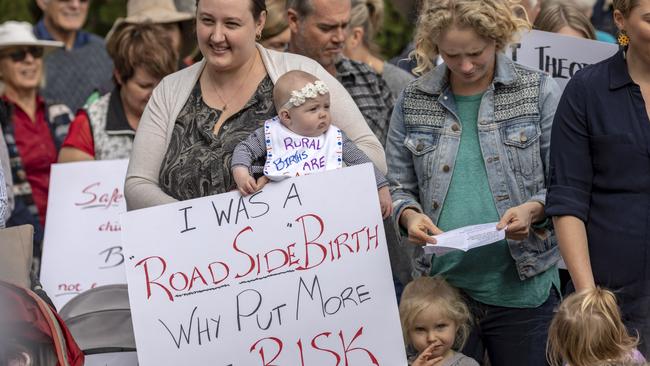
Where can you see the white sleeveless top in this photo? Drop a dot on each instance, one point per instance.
(289, 154)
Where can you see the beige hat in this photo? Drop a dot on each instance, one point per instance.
(14, 33)
(157, 12)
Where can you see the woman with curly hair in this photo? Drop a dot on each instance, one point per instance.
(469, 144)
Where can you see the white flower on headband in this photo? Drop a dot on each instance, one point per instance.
(308, 91)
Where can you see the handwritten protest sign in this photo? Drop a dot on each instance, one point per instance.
(294, 275)
(82, 247)
(559, 55)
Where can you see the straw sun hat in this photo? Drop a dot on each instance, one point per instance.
(158, 12)
(14, 33)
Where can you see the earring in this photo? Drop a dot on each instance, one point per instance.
(623, 39)
(258, 36)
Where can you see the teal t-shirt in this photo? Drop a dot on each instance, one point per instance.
(487, 274)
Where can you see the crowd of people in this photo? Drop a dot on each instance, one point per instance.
(199, 96)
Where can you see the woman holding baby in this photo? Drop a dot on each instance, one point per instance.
(197, 116)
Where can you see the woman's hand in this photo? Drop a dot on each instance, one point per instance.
(419, 227)
(245, 182)
(519, 218)
(426, 357)
(385, 202)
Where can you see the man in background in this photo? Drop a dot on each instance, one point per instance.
(318, 31)
(82, 70)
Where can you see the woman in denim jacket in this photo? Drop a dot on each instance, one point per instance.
(468, 144)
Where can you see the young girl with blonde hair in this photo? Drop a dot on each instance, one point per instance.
(588, 331)
(435, 323)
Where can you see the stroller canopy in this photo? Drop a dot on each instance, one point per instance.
(100, 320)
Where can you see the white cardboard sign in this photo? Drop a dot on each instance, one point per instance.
(296, 274)
(558, 55)
(82, 248)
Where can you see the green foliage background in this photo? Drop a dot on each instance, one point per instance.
(395, 35)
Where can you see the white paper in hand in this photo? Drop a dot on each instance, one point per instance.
(465, 238)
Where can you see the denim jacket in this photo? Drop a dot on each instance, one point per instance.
(514, 127)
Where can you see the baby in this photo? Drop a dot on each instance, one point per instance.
(300, 140)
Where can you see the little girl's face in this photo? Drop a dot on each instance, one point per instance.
(432, 328)
(312, 118)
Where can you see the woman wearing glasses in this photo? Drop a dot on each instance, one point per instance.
(36, 129)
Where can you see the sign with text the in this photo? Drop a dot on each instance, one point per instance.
(558, 55)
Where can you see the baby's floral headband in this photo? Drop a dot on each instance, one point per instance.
(298, 97)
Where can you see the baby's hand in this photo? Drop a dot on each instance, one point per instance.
(261, 182)
(385, 202)
(245, 182)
